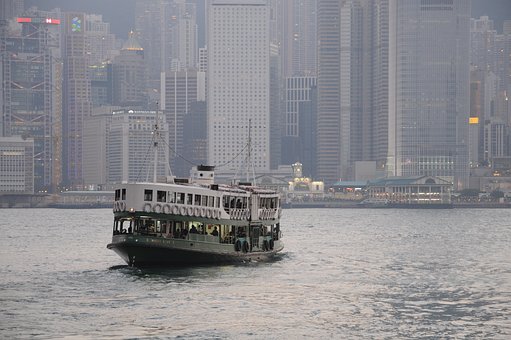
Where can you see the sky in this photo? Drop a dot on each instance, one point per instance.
(120, 12)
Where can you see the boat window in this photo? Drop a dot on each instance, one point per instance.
(204, 200)
(189, 199)
(171, 197)
(218, 202)
(148, 195)
(211, 201)
(244, 202)
(123, 194)
(161, 196)
(117, 194)
(197, 200)
(180, 198)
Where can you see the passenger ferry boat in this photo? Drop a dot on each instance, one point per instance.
(195, 221)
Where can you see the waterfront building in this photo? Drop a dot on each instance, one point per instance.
(411, 191)
(31, 99)
(16, 165)
(238, 83)
(429, 52)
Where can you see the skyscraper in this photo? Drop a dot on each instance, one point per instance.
(429, 44)
(297, 35)
(328, 118)
(77, 94)
(130, 75)
(31, 74)
(182, 91)
(238, 83)
(130, 146)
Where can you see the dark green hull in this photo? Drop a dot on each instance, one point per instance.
(142, 251)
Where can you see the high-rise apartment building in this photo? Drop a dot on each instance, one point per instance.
(429, 45)
(238, 83)
(31, 78)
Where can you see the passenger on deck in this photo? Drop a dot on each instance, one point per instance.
(184, 233)
(129, 230)
(215, 232)
(194, 230)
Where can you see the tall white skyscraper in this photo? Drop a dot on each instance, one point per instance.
(238, 83)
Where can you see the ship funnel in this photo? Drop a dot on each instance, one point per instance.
(203, 174)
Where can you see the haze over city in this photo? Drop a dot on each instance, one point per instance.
(319, 90)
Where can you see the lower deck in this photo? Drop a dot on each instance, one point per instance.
(156, 238)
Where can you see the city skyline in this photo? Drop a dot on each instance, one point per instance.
(382, 95)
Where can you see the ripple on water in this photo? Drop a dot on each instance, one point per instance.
(344, 274)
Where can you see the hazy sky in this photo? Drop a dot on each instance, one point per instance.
(120, 12)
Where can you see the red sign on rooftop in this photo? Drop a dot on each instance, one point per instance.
(49, 21)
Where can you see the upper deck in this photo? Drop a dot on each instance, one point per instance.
(207, 201)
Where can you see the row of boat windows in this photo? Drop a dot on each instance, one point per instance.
(229, 202)
(185, 229)
(182, 198)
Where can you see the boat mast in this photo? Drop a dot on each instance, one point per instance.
(156, 137)
(249, 156)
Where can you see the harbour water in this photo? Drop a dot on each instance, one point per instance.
(345, 273)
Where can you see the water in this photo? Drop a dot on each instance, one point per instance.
(344, 274)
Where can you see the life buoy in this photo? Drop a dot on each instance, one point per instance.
(196, 211)
(189, 211)
(208, 213)
(271, 244)
(147, 207)
(246, 247)
(114, 207)
(217, 214)
(175, 210)
(123, 206)
(157, 208)
(182, 210)
(167, 209)
(237, 245)
(203, 212)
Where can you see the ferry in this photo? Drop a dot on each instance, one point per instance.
(195, 221)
